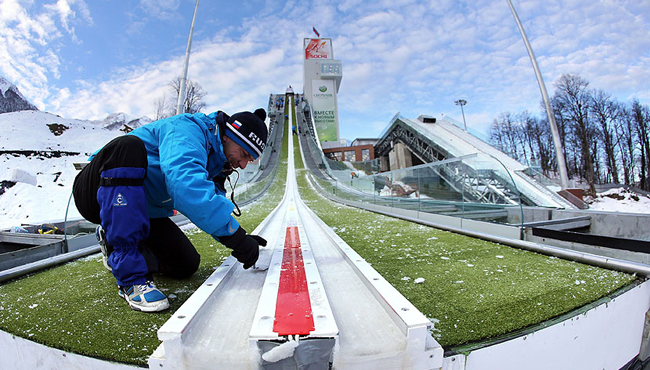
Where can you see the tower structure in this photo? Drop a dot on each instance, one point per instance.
(322, 78)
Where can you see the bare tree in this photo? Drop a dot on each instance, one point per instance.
(505, 134)
(604, 111)
(641, 119)
(538, 135)
(562, 125)
(574, 99)
(160, 106)
(497, 137)
(194, 95)
(603, 140)
(626, 139)
(526, 132)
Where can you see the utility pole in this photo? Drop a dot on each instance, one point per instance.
(462, 102)
(181, 90)
(561, 162)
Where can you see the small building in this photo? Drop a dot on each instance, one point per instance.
(361, 150)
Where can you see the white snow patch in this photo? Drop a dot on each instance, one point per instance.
(25, 203)
(619, 200)
(23, 176)
(419, 280)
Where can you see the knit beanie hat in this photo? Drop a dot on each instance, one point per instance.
(249, 131)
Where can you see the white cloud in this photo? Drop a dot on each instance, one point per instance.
(63, 8)
(161, 9)
(222, 69)
(67, 15)
(30, 52)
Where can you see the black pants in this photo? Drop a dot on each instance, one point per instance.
(165, 249)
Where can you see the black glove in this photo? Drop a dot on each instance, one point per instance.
(246, 248)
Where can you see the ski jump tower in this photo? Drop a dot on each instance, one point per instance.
(322, 78)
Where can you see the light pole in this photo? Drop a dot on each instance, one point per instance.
(462, 102)
(181, 89)
(561, 162)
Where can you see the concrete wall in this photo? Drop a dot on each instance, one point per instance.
(614, 224)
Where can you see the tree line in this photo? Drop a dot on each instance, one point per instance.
(604, 140)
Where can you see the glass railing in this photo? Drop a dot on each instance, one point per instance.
(475, 187)
(247, 191)
(536, 173)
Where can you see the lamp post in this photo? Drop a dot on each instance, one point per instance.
(561, 162)
(181, 88)
(462, 102)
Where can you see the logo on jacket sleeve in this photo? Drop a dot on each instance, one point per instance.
(231, 229)
(119, 200)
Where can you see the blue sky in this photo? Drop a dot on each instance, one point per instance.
(87, 59)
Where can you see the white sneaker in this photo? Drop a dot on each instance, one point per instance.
(145, 297)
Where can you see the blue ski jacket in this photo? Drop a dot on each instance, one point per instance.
(186, 160)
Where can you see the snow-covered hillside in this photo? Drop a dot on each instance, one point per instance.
(37, 155)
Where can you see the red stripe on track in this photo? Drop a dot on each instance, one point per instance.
(293, 314)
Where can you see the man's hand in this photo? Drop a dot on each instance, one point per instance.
(246, 248)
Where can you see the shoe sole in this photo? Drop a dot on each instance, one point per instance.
(102, 247)
(163, 305)
(101, 240)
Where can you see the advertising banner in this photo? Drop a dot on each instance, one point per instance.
(324, 109)
(318, 49)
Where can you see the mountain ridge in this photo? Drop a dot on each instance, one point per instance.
(11, 99)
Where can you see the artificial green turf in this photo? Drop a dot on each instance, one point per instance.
(473, 289)
(75, 307)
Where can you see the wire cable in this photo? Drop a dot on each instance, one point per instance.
(236, 211)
